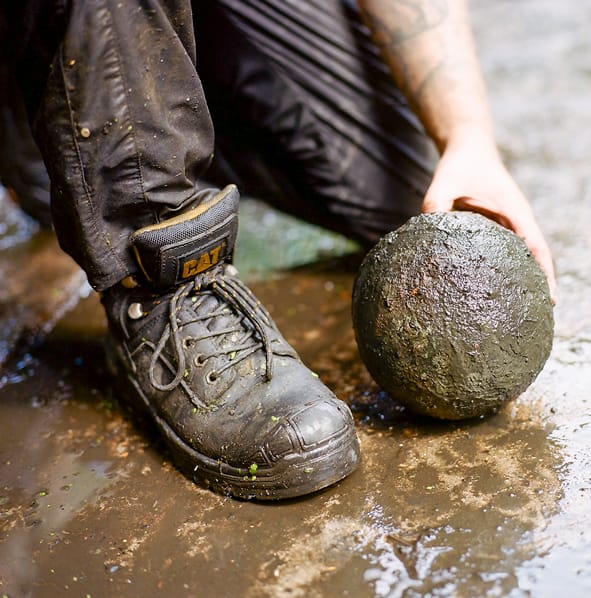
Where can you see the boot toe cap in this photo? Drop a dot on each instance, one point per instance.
(321, 422)
(319, 427)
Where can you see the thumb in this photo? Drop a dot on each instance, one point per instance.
(437, 199)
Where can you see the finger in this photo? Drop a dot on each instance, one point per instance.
(525, 227)
(437, 200)
(485, 208)
(534, 239)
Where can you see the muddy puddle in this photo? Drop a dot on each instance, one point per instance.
(90, 506)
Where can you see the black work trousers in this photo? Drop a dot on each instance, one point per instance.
(123, 97)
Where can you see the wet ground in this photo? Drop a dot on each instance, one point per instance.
(499, 507)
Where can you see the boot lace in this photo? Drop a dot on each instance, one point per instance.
(247, 339)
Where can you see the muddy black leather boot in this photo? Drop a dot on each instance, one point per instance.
(194, 349)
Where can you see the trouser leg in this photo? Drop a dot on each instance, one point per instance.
(125, 132)
(119, 115)
(21, 165)
(307, 115)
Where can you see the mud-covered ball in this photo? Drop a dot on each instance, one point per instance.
(452, 314)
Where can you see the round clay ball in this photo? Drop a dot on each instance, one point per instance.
(452, 314)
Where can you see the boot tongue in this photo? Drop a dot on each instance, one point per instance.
(224, 317)
(178, 249)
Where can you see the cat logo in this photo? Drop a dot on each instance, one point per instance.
(202, 262)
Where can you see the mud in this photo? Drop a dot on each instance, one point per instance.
(39, 282)
(90, 506)
(496, 507)
(452, 315)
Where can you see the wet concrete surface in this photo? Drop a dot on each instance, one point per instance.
(90, 506)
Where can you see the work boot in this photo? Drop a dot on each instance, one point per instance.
(193, 348)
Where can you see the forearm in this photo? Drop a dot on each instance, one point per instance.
(429, 48)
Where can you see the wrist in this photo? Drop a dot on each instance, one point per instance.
(475, 136)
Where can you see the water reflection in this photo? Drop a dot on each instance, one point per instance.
(15, 226)
(443, 508)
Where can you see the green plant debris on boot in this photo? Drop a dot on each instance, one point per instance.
(196, 351)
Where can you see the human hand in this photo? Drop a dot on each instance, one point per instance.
(471, 176)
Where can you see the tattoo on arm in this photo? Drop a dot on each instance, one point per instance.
(406, 19)
(396, 25)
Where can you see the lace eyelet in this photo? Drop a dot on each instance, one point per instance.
(199, 360)
(211, 377)
(188, 342)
